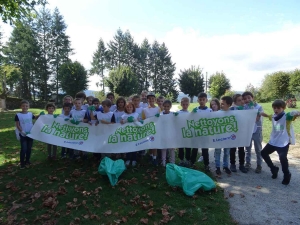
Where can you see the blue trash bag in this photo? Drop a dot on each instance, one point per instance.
(188, 179)
(113, 169)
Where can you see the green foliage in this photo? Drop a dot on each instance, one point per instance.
(73, 77)
(122, 81)
(12, 10)
(280, 84)
(294, 83)
(191, 81)
(218, 84)
(12, 75)
(229, 93)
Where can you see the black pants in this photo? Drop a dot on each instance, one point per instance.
(281, 151)
(241, 153)
(188, 154)
(205, 156)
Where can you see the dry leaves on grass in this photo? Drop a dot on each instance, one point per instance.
(144, 220)
(181, 212)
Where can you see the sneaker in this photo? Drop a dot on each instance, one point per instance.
(154, 162)
(258, 169)
(218, 171)
(206, 169)
(227, 170)
(286, 179)
(243, 169)
(127, 163)
(274, 172)
(163, 163)
(133, 163)
(200, 159)
(233, 168)
(22, 166)
(248, 166)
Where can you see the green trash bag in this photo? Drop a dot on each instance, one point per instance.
(189, 180)
(113, 169)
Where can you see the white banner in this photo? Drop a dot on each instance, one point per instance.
(196, 130)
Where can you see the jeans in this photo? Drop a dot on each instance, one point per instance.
(188, 155)
(131, 156)
(257, 139)
(241, 153)
(65, 151)
(26, 145)
(205, 156)
(225, 157)
(281, 151)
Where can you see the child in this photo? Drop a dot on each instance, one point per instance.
(160, 101)
(24, 124)
(144, 103)
(257, 132)
(237, 105)
(281, 137)
(150, 111)
(226, 102)
(136, 102)
(95, 107)
(202, 100)
(130, 116)
(167, 105)
(107, 117)
(67, 99)
(81, 95)
(50, 108)
(89, 100)
(66, 116)
(189, 160)
(77, 116)
(121, 102)
(111, 97)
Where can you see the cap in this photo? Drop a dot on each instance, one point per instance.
(150, 94)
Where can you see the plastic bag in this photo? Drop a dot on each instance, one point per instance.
(188, 179)
(17, 132)
(113, 169)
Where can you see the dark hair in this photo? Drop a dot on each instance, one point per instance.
(95, 100)
(50, 105)
(227, 99)
(119, 100)
(80, 94)
(106, 102)
(24, 102)
(202, 95)
(67, 105)
(127, 104)
(110, 94)
(160, 97)
(278, 104)
(235, 96)
(167, 102)
(216, 101)
(135, 97)
(247, 93)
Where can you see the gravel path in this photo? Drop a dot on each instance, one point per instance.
(257, 198)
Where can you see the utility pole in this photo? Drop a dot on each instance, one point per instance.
(206, 83)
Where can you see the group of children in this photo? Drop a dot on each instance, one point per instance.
(146, 105)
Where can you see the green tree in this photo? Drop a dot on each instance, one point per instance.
(218, 84)
(191, 81)
(122, 81)
(60, 47)
(294, 83)
(144, 77)
(99, 62)
(14, 10)
(73, 77)
(116, 50)
(266, 92)
(12, 76)
(280, 84)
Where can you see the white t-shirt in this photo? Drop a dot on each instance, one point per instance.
(143, 105)
(113, 108)
(134, 115)
(64, 116)
(118, 115)
(150, 111)
(78, 115)
(183, 111)
(25, 120)
(104, 116)
(139, 111)
(205, 109)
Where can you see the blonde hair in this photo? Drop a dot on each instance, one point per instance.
(185, 99)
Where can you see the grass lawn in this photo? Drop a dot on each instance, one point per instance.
(68, 192)
(267, 125)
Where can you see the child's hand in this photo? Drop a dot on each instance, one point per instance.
(55, 115)
(195, 110)
(42, 113)
(23, 133)
(130, 119)
(240, 107)
(27, 133)
(122, 121)
(175, 113)
(142, 121)
(75, 122)
(92, 108)
(157, 115)
(104, 121)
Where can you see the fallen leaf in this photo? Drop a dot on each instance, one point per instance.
(107, 213)
(181, 212)
(75, 200)
(205, 218)
(164, 212)
(86, 216)
(168, 194)
(144, 220)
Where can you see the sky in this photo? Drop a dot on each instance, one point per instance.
(244, 39)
